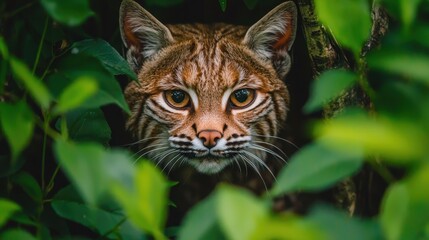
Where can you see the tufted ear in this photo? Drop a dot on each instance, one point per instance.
(141, 33)
(272, 36)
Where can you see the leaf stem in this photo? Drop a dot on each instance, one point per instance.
(39, 49)
(51, 181)
(363, 82)
(13, 13)
(45, 139)
(382, 171)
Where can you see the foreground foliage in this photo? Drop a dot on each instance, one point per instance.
(55, 94)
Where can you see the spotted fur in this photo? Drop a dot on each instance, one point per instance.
(208, 62)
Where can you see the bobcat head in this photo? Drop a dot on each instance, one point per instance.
(207, 95)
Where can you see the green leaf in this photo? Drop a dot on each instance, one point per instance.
(223, 4)
(202, 222)
(349, 21)
(106, 54)
(28, 184)
(34, 85)
(146, 203)
(406, 201)
(164, 3)
(251, 4)
(10, 167)
(92, 169)
(338, 226)
(287, 227)
(395, 140)
(75, 94)
(17, 234)
(87, 126)
(328, 86)
(239, 212)
(410, 65)
(394, 211)
(3, 48)
(316, 167)
(4, 53)
(83, 164)
(71, 13)
(7, 208)
(17, 122)
(405, 10)
(75, 66)
(101, 220)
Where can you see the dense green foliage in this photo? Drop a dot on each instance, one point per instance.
(54, 82)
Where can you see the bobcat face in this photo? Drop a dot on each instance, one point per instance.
(207, 95)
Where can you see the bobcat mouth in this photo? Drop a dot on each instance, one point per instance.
(210, 160)
(206, 155)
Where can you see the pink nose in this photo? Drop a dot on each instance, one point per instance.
(209, 137)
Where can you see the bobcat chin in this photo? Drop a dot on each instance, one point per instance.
(207, 95)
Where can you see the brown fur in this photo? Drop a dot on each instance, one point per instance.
(209, 63)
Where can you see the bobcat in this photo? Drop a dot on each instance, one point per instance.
(207, 96)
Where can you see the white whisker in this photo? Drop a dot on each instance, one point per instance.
(256, 170)
(259, 160)
(141, 140)
(261, 148)
(165, 155)
(275, 137)
(272, 145)
(156, 149)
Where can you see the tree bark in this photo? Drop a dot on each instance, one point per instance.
(325, 54)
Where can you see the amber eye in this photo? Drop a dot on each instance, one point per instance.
(242, 98)
(177, 98)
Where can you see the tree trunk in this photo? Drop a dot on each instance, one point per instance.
(326, 54)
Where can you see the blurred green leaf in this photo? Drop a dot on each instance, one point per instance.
(337, 225)
(316, 167)
(3, 48)
(405, 209)
(394, 211)
(405, 10)
(7, 208)
(223, 4)
(28, 184)
(93, 169)
(239, 212)
(31, 82)
(410, 65)
(17, 122)
(75, 94)
(287, 226)
(107, 55)
(146, 203)
(9, 167)
(83, 164)
(420, 34)
(349, 21)
(396, 141)
(16, 234)
(328, 86)
(3, 74)
(87, 125)
(202, 222)
(71, 13)
(75, 66)
(164, 3)
(251, 4)
(101, 220)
